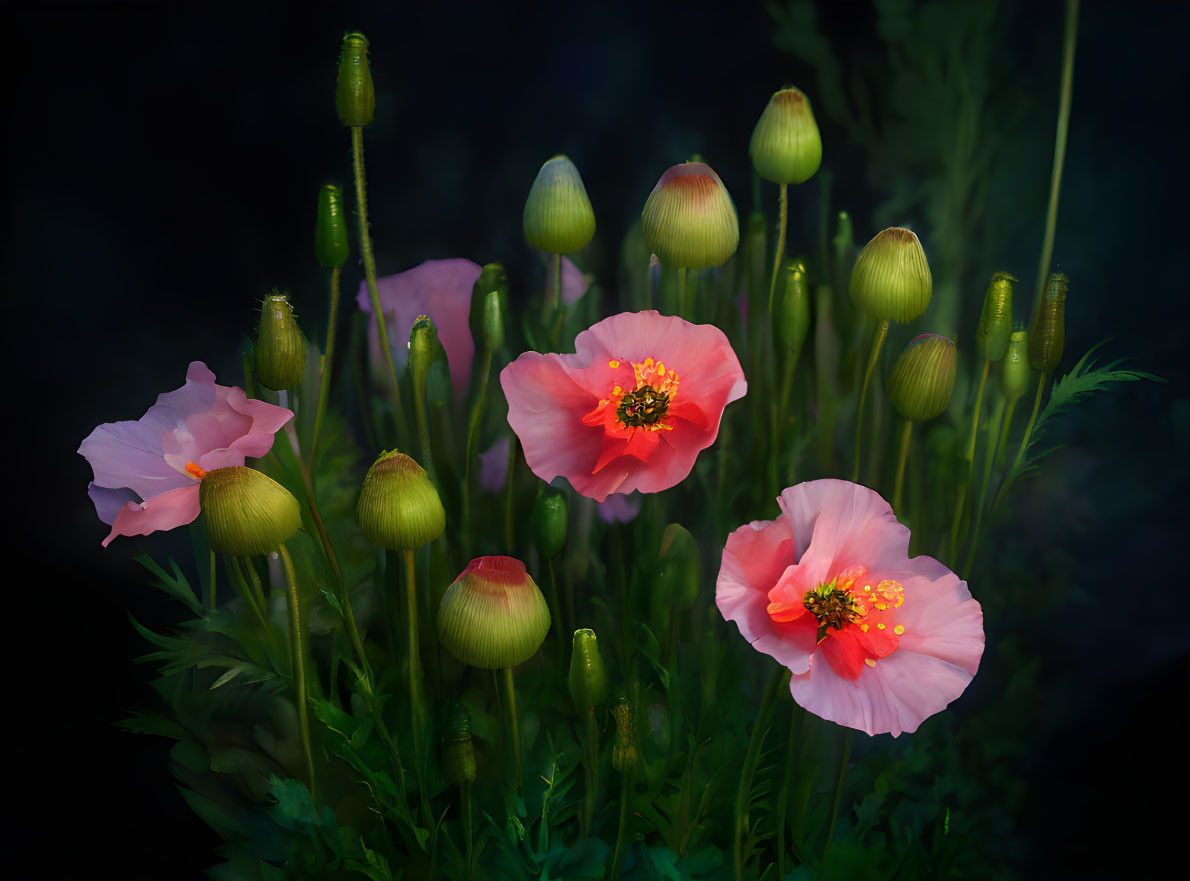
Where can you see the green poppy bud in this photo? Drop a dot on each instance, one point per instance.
(558, 218)
(330, 230)
(1047, 336)
(689, 219)
(923, 378)
(458, 751)
(587, 681)
(891, 279)
(679, 571)
(793, 319)
(425, 350)
(786, 147)
(995, 321)
(280, 347)
(355, 99)
(247, 513)
(493, 616)
(399, 508)
(489, 305)
(624, 745)
(549, 522)
(1014, 369)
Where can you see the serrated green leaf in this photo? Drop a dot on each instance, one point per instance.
(175, 585)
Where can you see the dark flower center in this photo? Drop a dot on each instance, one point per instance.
(833, 607)
(645, 406)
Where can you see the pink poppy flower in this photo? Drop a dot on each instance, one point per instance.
(438, 288)
(630, 410)
(874, 640)
(147, 472)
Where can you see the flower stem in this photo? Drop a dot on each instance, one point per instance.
(328, 357)
(473, 427)
(783, 795)
(683, 306)
(1020, 453)
(212, 581)
(417, 710)
(514, 724)
(969, 458)
(299, 664)
(622, 827)
(989, 455)
(591, 764)
(900, 484)
(365, 249)
(423, 426)
(1002, 446)
(830, 834)
(877, 342)
(751, 758)
(779, 250)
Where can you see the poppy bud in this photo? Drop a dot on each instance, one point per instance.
(558, 218)
(679, 571)
(493, 616)
(280, 347)
(1014, 369)
(624, 744)
(1048, 333)
(489, 305)
(549, 522)
(786, 147)
(995, 321)
(247, 512)
(793, 320)
(923, 378)
(587, 681)
(330, 230)
(425, 350)
(399, 508)
(689, 219)
(355, 99)
(458, 751)
(891, 279)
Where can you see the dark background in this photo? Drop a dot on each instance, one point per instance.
(164, 165)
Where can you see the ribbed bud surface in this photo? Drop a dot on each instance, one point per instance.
(558, 217)
(280, 349)
(995, 320)
(786, 147)
(1047, 336)
(355, 98)
(493, 616)
(793, 320)
(921, 381)
(549, 523)
(247, 513)
(689, 219)
(891, 279)
(624, 744)
(399, 508)
(330, 229)
(1014, 369)
(587, 680)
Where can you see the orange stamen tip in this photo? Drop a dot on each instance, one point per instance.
(194, 471)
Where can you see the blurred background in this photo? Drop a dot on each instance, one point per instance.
(165, 163)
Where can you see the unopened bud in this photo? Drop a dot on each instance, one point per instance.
(891, 279)
(995, 321)
(1014, 369)
(793, 321)
(247, 512)
(921, 381)
(280, 349)
(493, 616)
(399, 508)
(624, 744)
(558, 218)
(330, 230)
(355, 98)
(786, 147)
(489, 305)
(689, 219)
(587, 681)
(1047, 336)
(549, 522)
(425, 350)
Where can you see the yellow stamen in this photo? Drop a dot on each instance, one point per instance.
(899, 629)
(870, 662)
(880, 626)
(617, 390)
(613, 364)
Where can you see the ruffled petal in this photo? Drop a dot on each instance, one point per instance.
(108, 502)
(129, 454)
(166, 511)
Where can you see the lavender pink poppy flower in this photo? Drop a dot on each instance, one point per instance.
(619, 508)
(440, 289)
(633, 407)
(874, 640)
(147, 472)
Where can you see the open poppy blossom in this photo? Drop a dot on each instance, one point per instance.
(874, 640)
(148, 472)
(630, 410)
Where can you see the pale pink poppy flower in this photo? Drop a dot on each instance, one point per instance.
(631, 410)
(440, 289)
(874, 640)
(147, 472)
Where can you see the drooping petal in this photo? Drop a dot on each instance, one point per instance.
(166, 511)
(108, 502)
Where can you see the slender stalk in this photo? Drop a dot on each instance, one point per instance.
(417, 710)
(509, 532)
(324, 380)
(299, 664)
(212, 581)
(900, 484)
(838, 794)
(877, 342)
(751, 758)
(989, 455)
(591, 764)
(1069, 41)
(1002, 446)
(1020, 454)
(783, 795)
(779, 251)
(514, 723)
(249, 385)
(969, 458)
(622, 827)
(423, 427)
(465, 795)
(474, 424)
(683, 306)
(365, 249)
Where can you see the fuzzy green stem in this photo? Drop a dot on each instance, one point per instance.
(904, 456)
(779, 250)
(365, 249)
(417, 709)
(212, 581)
(324, 380)
(969, 459)
(877, 342)
(989, 455)
(751, 758)
(299, 664)
(513, 722)
(474, 423)
(830, 835)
